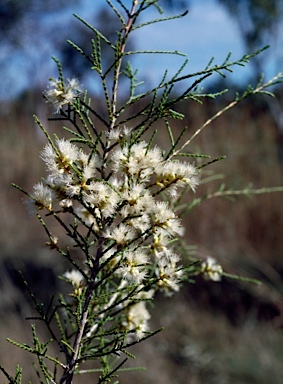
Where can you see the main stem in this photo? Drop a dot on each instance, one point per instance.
(70, 370)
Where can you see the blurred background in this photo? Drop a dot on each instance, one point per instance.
(226, 332)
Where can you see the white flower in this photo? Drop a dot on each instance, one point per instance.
(114, 134)
(173, 174)
(166, 220)
(102, 197)
(59, 183)
(137, 318)
(169, 276)
(58, 161)
(41, 197)
(119, 133)
(160, 241)
(59, 94)
(66, 203)
(139, 199)
(169, 256)
(68, 150)
(211, 270)
(141, 222)
(88, 173)
(137, 315)
(126, 131)
(52, 244)
(138, 206)
(132, 266)
(121, 234)
(74, 277)
(136, 160)
(87, 162)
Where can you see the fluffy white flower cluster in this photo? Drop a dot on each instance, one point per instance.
(59, 94)
(137, 316)
(123, 210)
(211, 269)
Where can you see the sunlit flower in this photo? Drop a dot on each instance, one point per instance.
(101, 196)
(138, 205)
(41, 197)
(59, 160)
(89, 163)
(169, 276)
(138, 198)
(137, 316)
(132, 266)
(121, 234)
(77, 280)
(136, 160)
(66, 203)
(173, 174)
(140, 222)
(59, 94)
(166, 220)
(119, 133)
(160, 241)
(169, 256)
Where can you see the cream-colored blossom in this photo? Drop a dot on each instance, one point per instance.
(211, 269)
(169, 276)
(119, 133)
(166, 220)
(74, 277)
(137, 319)
(171, 175)
(59, 160)
(66, 203)
(138, 206)
(41, 197)
(136, 160)
(139, 199)
(88, 173)
(137, 315)
(168, 256)
(160, 241)
(59, 94)
(52, 244)
(132, 267)
(121, 234)
(141, 222)
(102, 197)
(92, 163)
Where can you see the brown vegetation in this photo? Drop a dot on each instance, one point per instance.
(217, 332)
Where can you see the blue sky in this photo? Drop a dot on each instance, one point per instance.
(199, 35)
(206, 31)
